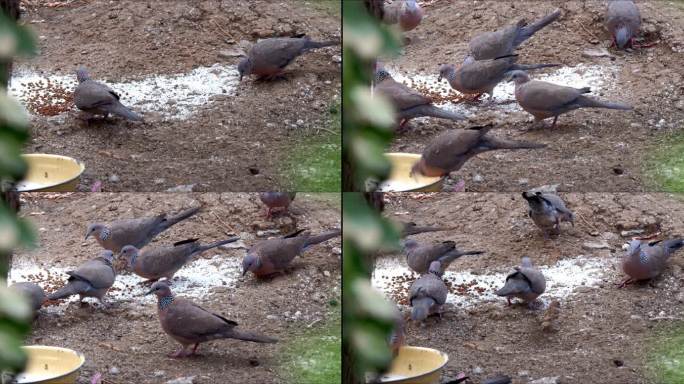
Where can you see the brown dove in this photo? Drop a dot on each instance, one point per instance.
(646, 260)
(155, 263)
(406, 13)
(95, 98)
(490, 45)
(428, 293)
(544, 100)
(136, 232)
(548, 210)
(92, 279)
(189, 324)
(274, 255)
(526, 283)
(478, 77)
(448, 151)
(420, 256)
(33, 293)
(408, 102)
(623, 21)
(276, 201)
(269, 57)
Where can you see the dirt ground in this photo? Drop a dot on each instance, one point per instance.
(233, 143)
(598, 328)
(589, 150)
(128, 338)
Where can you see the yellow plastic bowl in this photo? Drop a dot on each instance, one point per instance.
(51, 365)
(416, 365)
(400, 179)
(51, 173)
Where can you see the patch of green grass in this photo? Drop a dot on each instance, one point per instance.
(315, 162)
(315, 357)
(666, 165)
(332, 7)
(666, 362)
(332, 199)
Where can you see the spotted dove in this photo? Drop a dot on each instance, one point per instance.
(526, 283)
(92, 279)
(428, 293)
(136, 232)
(548, 210)
(95, 98)
(189, 324)
(419, 257)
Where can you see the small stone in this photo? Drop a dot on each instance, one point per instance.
(271, 317)
(182, 380)
(592, 245)
(546, 380)
(326, 273)
(114, 371)
(337, 59)
(182, 188)
(230, 53)
(478, 370)
(631, 232)
(300, 122)
(478, 178)
(159, 181)
(158, 373)
(523, 181)
(524, 374)
(680, 297)
(297, 314)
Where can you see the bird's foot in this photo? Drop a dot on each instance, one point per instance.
(180, 353)
(508, 299)
(625, 282)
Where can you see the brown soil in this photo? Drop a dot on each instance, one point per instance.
(215, 148)
(128, 335)
(595, 327)
(589, 150)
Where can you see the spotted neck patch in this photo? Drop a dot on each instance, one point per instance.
(643, 257)
(133, 258)
(165, 301)
(105, 233)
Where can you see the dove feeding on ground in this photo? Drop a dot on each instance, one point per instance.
(405, 13)
(548, 211)
(623, 21)
(410, 228)
(408, 103)
(428, 293)
(450, 150)
(647, 260)
(526, 283)
(271, 256)
(482, 76)
(277, 201)
(419, 256)
(544, 100)
(95, 98)
(91, 279)
(157, 262)
(269, 57)
(136, 232)
(189, 324)
(34, 294)
(490, 45)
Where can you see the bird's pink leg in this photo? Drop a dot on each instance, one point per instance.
(179, 353)
(555, 118)
(509, 301)
(269, 213)
(625, 282)
(194, 349)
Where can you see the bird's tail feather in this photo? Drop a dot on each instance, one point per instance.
(532, 28)
(171, 220)
(495, 143)
(249, 336)
(420, 308)
(322, 237)
(591, 103)
(320, 44)
(217, 244)
(430, 110)
(73, 287)
(121, 110)
(512, 287)
(529, 67)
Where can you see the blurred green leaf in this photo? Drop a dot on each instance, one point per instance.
(11, 112)
(15, 40)
(374, 109)
(371, 302)
(371, 346)
(12, 305)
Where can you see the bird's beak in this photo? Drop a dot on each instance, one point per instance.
(87, 235)
(244, 271)
(439, 78)
(148, 292)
